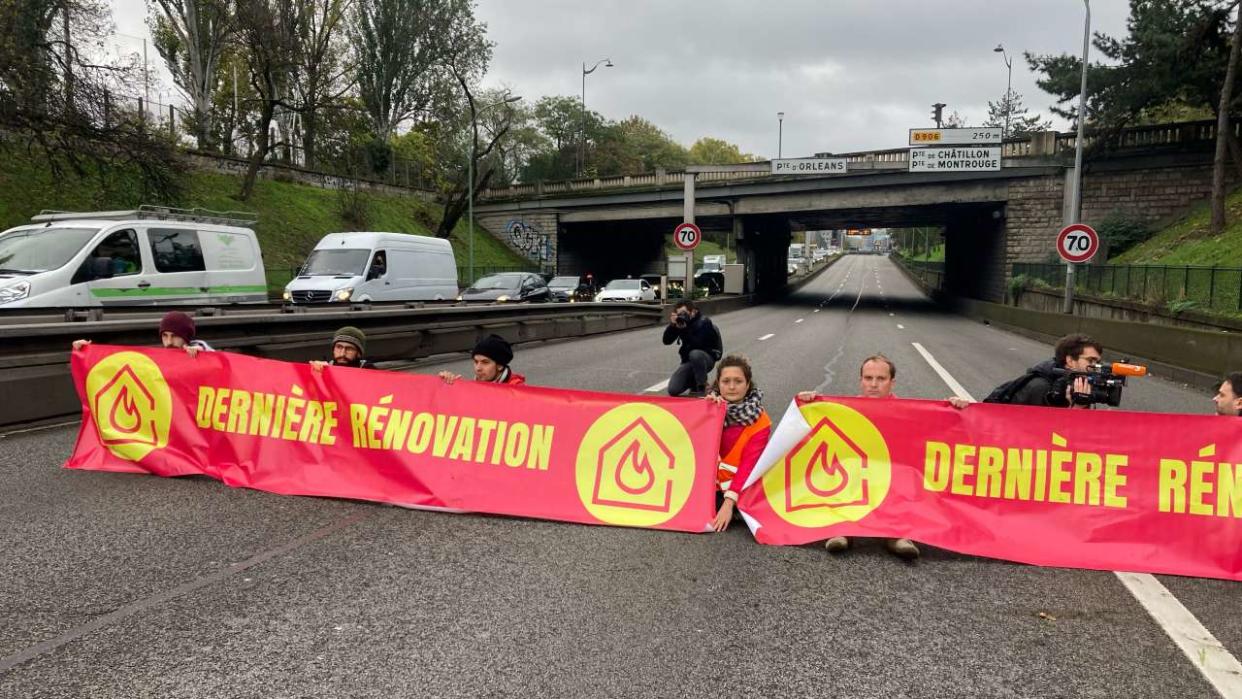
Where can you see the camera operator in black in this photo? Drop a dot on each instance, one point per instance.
(1043, 385)
(700, 349)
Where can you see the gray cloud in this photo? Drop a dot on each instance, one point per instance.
(849, 74)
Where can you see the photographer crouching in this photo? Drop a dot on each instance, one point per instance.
(700, 349)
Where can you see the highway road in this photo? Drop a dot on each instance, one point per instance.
(135, 586)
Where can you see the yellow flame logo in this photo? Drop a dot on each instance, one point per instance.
(130, 404)
(839, 472)
(635, 466)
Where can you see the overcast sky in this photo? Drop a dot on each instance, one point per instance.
(848, 74)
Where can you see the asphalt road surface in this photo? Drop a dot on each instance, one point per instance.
(134, 586)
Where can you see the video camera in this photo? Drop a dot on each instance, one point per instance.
(1104, 382)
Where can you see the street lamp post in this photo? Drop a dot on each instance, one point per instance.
(474, 144)
(1000, 48)
(1076, 200)
(607, 63)
(780, 133)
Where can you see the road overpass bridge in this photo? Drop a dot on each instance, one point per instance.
(618, 226)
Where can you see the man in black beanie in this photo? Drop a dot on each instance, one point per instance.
(349, 348)
(492, 355)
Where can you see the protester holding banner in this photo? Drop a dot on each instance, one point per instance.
(747, 428)
(700, 348)
(349, 348)
(876, 377)
(491, 355)
(1229, 395)
(177, 331)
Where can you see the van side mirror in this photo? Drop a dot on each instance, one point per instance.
(101, 268)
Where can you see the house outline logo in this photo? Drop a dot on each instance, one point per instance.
(839, 472)
(635, 466)
(130, 404)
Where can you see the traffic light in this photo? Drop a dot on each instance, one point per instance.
(937, 110)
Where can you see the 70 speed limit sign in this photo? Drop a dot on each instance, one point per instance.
(687, 236)
(1077, 242)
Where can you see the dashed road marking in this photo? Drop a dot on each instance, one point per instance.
(765, 337)
(799, 320)
(1217, 665)
(900, 326)
(658, 387)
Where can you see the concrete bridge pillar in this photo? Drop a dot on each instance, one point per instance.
(764, 249)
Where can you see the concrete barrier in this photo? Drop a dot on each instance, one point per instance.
(1197, 357)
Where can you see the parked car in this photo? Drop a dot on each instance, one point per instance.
(712, 281)
(633, 290)
(508, 287)
(365, 267)
(570, 288)
(147, 256)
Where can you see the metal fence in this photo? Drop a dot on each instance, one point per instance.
(1213, 288)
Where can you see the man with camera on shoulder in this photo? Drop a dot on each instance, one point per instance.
(1075, 377)
(700, 349)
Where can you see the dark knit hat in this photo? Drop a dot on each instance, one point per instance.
(352, 336)
(178, 324)
(495, 348)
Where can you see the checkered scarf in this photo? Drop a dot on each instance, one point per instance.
(747, 410)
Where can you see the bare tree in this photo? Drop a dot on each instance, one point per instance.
(481, 154)
(267, 29)
(1223, 129)
(323, 74)
(191, 36)
(403, 48)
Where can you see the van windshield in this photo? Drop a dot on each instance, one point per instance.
(31, 250)
(333, 263)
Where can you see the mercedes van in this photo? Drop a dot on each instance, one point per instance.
(366, 267)
(143, 257)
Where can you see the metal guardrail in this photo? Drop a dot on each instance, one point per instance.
(930, 274)
(34, 358)
(1212, 288)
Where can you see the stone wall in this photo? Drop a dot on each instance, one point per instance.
(531, 234)
(1152, 195)
(227, 165)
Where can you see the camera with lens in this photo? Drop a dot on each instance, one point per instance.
(1104, 382)
(683, 318)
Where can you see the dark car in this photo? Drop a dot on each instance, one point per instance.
(712, 281)
(508, 287)
(569, 287)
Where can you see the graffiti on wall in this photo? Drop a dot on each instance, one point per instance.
(529, 240)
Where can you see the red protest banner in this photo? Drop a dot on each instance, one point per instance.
(1106, 490)
(410, 440)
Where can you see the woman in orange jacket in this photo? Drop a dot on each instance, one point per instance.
(746, 431)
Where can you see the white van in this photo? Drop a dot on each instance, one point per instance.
(365, 267)
(148, 256)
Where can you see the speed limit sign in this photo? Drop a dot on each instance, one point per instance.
(1077, 242)
(687, 236)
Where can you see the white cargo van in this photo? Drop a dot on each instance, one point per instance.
(365, 267)
(147, 256)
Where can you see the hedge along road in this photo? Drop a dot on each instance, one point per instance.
(127, 585)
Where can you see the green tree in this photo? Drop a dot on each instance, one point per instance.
(716, 151)
(1019, 120)
(191, 37)
(635, 146)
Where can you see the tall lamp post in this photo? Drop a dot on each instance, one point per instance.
(1000, 48)
(474, 143)
(1076, 201)
(780, 132)
(607, 63)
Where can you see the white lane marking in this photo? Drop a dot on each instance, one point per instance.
(900, 326)
(890, 315)
(958, 389)
(658, 387)
(1217, 665)
(40, 428)
(765, 337)
(799, 320)
(815, 311)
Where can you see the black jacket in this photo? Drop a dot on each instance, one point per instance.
(699, 334)
(1043, 388)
